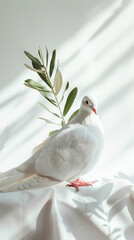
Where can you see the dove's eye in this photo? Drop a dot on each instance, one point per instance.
(86, 102)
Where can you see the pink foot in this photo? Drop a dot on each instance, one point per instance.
(79, 183)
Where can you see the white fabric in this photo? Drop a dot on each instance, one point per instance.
(102, 212)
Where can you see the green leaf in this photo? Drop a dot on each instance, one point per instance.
(55, 114)
(53, 132)
(33, 59)
(62, 124)
(62, 98)
(36, 85)
(67, 86)
(49, 110)
(44, 107)
(28, 85)
(42, 75)
(46, 57)
(52, 63)
(41, 55)
(35, 65)
(52, 101)
(58, 81)
(73, 115)
(33, 69)
(70, 99)
(48, 121)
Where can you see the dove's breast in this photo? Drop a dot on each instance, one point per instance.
(71, 153)
(93, 148)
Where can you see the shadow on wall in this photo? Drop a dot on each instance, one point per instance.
(31, 23)
(4, 137)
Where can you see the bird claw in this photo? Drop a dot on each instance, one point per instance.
(80, 183)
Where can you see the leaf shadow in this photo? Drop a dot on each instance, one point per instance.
(124, 176)
(87, 225)
(121, 199)
(94, 207)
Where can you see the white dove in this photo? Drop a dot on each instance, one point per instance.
(65, 156)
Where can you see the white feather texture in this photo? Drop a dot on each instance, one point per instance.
(67, 155)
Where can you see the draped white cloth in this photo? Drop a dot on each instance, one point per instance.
(102, 212)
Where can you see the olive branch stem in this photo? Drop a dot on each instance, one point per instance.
(56, 99)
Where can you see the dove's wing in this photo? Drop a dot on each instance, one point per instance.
(38, 147)
(68, 153)
(33, 182)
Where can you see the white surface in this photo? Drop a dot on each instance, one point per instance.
(102, 212)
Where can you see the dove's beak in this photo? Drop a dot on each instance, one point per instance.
(94, 110)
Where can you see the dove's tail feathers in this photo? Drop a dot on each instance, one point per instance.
(19, 173)
(38, 147)
(25, 170)
(33, 182)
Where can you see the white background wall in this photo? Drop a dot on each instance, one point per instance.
(95, 46)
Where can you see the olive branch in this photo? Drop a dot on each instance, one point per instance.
(52, 86)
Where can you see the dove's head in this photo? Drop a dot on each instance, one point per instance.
(89, 104)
